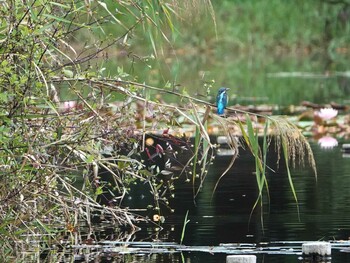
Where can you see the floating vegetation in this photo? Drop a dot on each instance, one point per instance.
(75, 142)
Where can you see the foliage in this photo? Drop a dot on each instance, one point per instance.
(63, 119)
(48, 142)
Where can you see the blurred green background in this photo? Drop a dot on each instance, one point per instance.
(245, 46)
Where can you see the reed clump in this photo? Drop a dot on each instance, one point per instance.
(63, 121)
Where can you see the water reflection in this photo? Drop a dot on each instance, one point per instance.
(323, 204)
(226, 216)
(327, 142)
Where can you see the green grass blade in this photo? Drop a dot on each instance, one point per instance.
(244, 133)
(264, 154)
(285, 153)
(252, 136)
(197, 138)
(184, 227)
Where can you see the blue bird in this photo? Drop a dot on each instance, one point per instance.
(221, 100)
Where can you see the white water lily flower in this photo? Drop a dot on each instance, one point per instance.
(326, 113)
(327, 142)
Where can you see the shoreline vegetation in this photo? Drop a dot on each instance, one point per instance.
(69, 110)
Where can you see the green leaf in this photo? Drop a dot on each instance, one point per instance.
(197, 139)
(60, 5)
(90, 159)
(68, 73)
(59, 19)
(184, 227)
(99, 190)
(286, 160)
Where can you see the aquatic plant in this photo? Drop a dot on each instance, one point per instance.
(290, 144)
(327, 142)
(186, 221)
(60, 122)
(64, 120)
(326, 113)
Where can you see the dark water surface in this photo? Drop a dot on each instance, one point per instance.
(323, 202)
(274, 232)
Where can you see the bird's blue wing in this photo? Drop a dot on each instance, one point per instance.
(221, 102)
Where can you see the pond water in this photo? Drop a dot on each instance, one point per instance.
(224, 218)
(324, 204)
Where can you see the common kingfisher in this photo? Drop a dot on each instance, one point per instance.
(221, 100)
